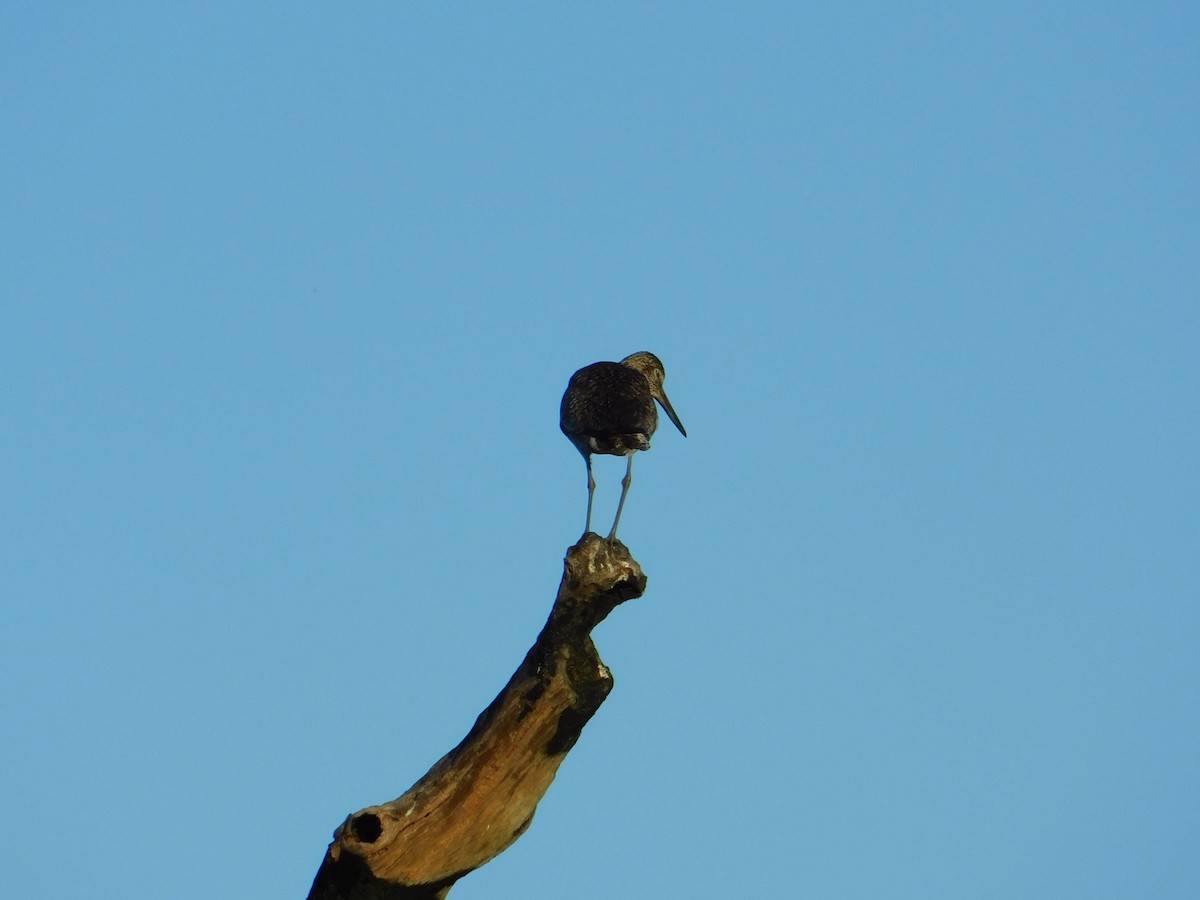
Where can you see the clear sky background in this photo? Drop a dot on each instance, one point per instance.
(289, 293)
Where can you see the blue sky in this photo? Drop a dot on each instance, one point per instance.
(290, 293)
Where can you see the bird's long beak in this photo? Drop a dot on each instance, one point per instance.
(666, 405)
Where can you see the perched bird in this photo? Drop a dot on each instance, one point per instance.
(609, 408)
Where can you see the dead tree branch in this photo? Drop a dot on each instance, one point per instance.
(481, 796)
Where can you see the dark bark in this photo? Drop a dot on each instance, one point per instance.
(481, 796)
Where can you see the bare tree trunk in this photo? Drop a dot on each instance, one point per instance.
(481, 796)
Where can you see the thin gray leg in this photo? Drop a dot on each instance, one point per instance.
(625, 483)
(587, 525)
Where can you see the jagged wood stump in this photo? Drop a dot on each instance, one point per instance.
(481, 796)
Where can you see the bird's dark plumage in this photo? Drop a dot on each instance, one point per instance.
(609, 408)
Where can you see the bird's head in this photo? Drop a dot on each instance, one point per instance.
(651, 368)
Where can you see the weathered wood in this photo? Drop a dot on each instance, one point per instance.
(481, 796)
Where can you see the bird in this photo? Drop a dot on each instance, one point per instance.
(608, 407)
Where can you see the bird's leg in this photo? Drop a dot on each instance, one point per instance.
(625, 483)
(587, 525)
